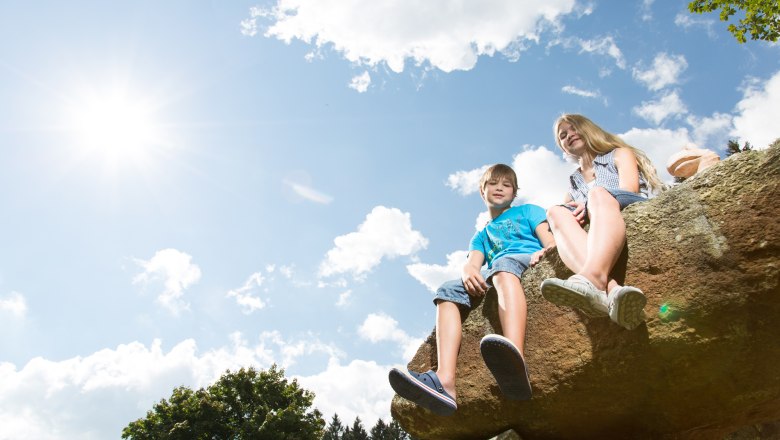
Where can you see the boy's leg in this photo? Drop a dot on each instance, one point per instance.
(448, 338)
(512, 307)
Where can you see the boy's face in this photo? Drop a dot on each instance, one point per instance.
(498, 193)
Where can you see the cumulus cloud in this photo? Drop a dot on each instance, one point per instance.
(358, 388)
(666, 71)
(309, 193)
(433, 275)
(466, 182)
(344, 298)
(646, 10)
(360, 82)
(244, 295)
(14, 304)
(668, 105)
(444, 35)
(386, 233)
(542, 176)
(710, 132)
(658, 144)
(176, 271)
(380, 327)
(758, 112)
(94, 397)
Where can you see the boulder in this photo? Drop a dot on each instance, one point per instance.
(705, 363)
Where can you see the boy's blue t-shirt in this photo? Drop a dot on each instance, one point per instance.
(512, 232)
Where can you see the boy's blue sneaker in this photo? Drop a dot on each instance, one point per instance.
(506, 364)
(626, 306)
(424, 389)
(576, 292)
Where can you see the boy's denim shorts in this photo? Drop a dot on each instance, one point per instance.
(454, 290)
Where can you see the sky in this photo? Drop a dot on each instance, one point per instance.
(196, 186)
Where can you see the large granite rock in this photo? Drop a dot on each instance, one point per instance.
(705, 364)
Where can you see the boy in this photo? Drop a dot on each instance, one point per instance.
(514, 239)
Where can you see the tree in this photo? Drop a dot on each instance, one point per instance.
(761, 21)
(357, 432)
(245, 405)
(335, 429)
(733, 147)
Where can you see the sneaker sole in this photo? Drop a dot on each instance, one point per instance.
(562, 296)
(630, 312)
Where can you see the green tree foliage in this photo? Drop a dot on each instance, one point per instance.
(335, 429)
(357, 432)
(245, 405)
(733, 147)
(761, 20)
(380, 431)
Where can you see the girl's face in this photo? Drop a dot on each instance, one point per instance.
(570, 140)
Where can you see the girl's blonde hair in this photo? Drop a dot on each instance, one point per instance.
(600, 141)
(497, 172)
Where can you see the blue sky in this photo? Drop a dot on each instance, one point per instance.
(202, 185)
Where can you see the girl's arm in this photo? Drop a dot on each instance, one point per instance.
(472, 277)
(628, 172)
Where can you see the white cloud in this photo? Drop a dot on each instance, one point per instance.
(309, 193)
(445, 35)
(244, 296)
(386, 233)
(685, 21)
(646, 10)
(177, 272)
(94, 397)
(603, 46)
(666, 71)
(344, 298)
(360, 82)
(380, 327)
(14, 303)
(542, 176)
(433, 275)
(669, 105)
(658, 144)
(758, 112)
(580, 92)
(711, 132)
(359, 388)
(466, 182)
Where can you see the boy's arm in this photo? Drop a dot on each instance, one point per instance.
(472, 276)
(548, 241)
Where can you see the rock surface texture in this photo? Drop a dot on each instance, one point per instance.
(706, 362)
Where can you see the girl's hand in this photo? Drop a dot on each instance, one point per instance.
(578, 212)
(473, 282)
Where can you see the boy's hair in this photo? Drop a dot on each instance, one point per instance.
(497, 172)
(601, 141)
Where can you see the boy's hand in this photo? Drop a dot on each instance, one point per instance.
(578, 211)
(473, 282)
(536, 257)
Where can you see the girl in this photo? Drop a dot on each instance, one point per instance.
(611, 176)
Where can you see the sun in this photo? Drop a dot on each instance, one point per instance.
(116, 125)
